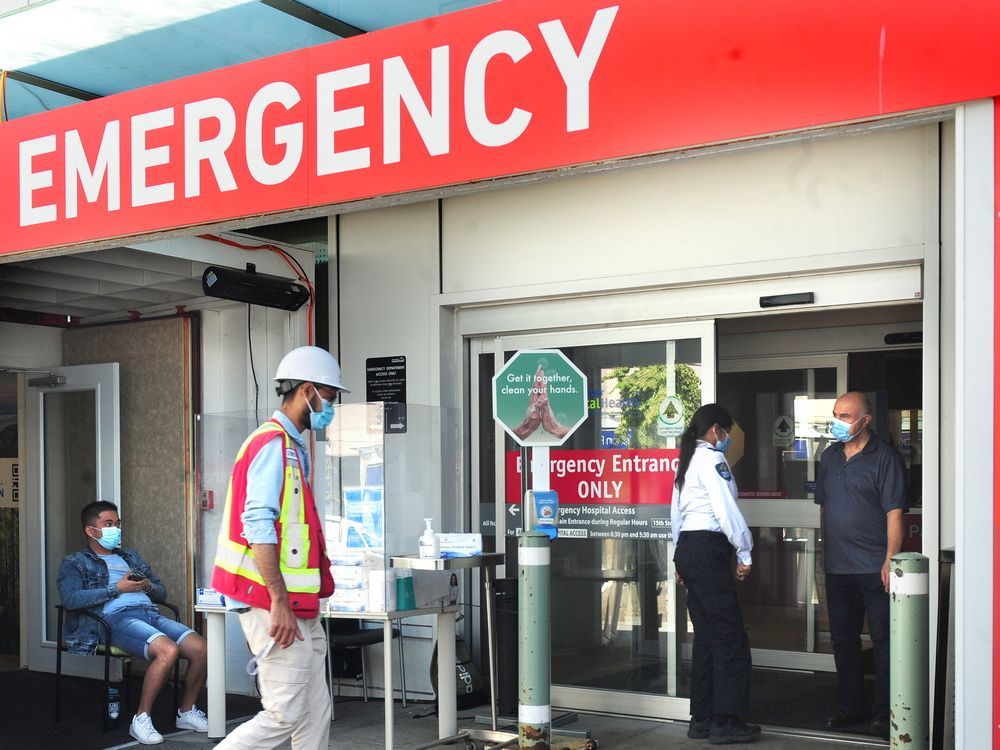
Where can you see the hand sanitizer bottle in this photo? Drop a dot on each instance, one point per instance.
(430, 545)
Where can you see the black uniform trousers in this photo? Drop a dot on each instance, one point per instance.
(849, 598)
(720, 660)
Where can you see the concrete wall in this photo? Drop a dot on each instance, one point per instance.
(156, 464)
(30, 346)
(827, 197)
(388, 276)
(227, 370)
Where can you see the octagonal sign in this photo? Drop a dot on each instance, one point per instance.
(539, 397)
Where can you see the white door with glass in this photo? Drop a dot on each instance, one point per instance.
(616, 645)
(72, 458)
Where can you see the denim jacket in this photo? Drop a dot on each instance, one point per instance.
(83, 584)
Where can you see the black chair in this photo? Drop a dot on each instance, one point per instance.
(107, 653)
(360, 638)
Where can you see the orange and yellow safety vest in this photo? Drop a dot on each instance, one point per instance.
(302, 558)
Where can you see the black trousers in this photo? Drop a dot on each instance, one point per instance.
(849, 598)
(720, 661)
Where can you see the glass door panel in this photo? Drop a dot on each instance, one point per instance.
(782, 411)
(610, 592)
(614, 601)
(782, 415)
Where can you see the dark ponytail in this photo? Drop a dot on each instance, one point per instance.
(701, 422)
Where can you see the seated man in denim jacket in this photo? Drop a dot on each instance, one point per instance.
(117, 584)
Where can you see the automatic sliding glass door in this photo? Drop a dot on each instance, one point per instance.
(615, 608)
(782, 408)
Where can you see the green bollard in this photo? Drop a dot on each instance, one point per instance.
(908, 613)
(534, 651)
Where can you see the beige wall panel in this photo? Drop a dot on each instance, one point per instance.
(388, 279)
(30, 346)
(155, 408)
(812, 197)
(388, 275)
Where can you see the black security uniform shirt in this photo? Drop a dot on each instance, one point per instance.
(856, 495)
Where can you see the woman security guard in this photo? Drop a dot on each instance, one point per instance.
(707, 526)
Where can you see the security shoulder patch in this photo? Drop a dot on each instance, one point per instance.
(724, 472)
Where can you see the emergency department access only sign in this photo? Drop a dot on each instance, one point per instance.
(603, 494)
(539, 397)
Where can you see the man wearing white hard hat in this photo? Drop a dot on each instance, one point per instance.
(271, 561)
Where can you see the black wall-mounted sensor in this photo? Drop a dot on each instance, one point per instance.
(780, 300)
(904, 337)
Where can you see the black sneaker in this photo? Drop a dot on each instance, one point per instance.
(733, 732)
(699, 730)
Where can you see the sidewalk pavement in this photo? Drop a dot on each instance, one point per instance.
(359, 727)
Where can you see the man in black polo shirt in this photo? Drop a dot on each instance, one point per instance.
(861, 490)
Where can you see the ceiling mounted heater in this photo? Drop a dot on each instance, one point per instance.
(253, 288)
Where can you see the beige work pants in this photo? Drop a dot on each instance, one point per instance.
(293, 690)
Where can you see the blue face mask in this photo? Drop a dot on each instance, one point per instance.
(320, 420)
(111, 537)
(723, 445)
(842, 430)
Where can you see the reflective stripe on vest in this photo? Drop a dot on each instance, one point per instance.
(234, 558)
(294, 544)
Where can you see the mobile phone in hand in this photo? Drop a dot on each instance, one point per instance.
(135, 577)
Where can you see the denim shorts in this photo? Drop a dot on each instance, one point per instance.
(134, 628)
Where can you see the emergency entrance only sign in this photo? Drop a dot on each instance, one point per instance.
(540, 397)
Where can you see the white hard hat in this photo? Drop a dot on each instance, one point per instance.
(310, 364)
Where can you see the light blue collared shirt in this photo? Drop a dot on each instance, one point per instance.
(265, 479)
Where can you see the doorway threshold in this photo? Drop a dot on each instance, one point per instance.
(848, 740)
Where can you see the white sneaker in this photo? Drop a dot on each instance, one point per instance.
(194, 719)
(143, 731)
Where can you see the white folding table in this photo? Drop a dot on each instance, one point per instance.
(447, 712)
